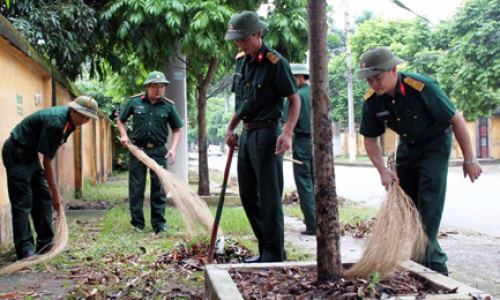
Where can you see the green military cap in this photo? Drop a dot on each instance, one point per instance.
(376, 60)
(299, 69)
(156, 77)
(85, 106)
(243, 24)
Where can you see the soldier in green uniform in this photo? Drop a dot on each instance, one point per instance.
(39, 133)
(302, 149)
(416, 108)
(262, 78)
(152, 113)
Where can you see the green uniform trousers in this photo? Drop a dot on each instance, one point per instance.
(137, 187)
(260, 178)
(303, 174)
(422, 171)
(29, 195)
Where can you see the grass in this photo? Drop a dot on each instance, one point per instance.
(108, 245)
(350, 213)
(362, 159)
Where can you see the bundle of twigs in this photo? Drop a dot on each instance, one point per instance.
(398, 235)
(58, 245)
(193, 210)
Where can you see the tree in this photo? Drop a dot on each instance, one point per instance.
(469, 67)
(327, 219)
(66, 32)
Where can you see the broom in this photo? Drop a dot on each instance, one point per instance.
(58, 245)
(398, 234)
(193, 210)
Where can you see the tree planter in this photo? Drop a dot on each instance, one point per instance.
(220, 286)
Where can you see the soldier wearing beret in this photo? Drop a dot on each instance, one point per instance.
(416, 108)
(261, 81)
(39, 133)
(153, 114)
(302, 149)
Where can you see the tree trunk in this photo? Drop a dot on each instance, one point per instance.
(203, 84)
(327, 221)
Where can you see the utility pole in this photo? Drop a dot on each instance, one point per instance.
(176, 90)
(352, 134)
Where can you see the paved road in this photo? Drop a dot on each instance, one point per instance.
(470, 207)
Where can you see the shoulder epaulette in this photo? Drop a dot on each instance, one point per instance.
(419, 86)
(169, 100)
(369, 94)
(136, 95)
(240, 55)
(272, 57)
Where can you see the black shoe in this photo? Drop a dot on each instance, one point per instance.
(28, 253)
(43, 249)
(252, 259)
(160, 229)
(308, 232)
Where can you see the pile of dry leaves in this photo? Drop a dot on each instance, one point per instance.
(298, 283)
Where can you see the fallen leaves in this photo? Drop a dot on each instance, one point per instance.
(298, 283)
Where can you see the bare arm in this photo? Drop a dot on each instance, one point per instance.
(231, 138)
(51, 181)
(375, 154)
(122, 128)
(284, 141)
(176, 138)
(474, 170)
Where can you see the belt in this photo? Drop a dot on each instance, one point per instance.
(428, 138)
(259, 124)
(300, 134)
(148, 145)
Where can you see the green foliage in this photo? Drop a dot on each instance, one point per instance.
(66, 32)
(469, 72)
(338, 91)
(287, 31)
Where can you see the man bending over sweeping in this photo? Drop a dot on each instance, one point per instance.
(416, 108)
(39, 133)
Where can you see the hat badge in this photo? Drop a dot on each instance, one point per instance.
(363, 65)
(230, 26)
(89, 103)
(158, 76)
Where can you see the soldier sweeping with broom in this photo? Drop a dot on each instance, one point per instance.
(40, 133)
(153, 114)
(416, 108)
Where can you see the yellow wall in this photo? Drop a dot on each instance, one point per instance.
(22, 82)
(495, 137)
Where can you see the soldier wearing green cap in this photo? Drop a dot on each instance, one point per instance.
(39, 133)
(153, 114)
(416, 108)
(302, 148)
(261, 80)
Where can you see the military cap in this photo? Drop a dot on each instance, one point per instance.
(243, 24)
(299, 69)
(85, 106)
(156, 77)
(376, 60)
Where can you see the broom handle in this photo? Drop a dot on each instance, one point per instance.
(213, 236)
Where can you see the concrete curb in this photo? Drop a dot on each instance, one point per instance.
(220, 286)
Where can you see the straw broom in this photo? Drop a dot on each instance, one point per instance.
(398, 235)
(58, 245)
(193, 210)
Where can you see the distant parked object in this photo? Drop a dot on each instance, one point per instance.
(214, 150)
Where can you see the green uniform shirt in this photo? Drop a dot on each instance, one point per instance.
(261, 84)
(419, 111)
(304, 120)
(150, 121)
(44, 131)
